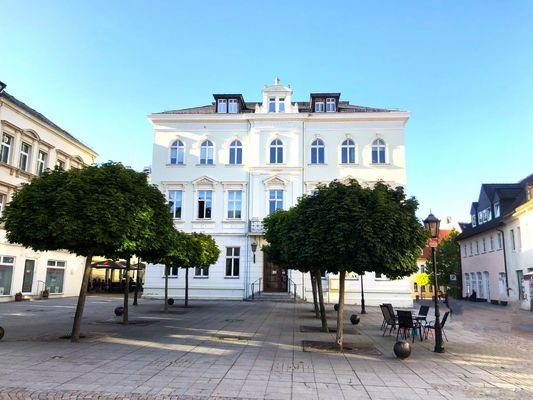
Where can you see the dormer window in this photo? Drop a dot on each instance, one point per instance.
(222, 106)
(281, 104)
(233, 106)
(331, 105)
(473, 217)
(496, 209)
(272, 104)
(319, 105)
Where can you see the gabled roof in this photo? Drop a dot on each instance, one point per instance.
(36, 114)
(510, 195)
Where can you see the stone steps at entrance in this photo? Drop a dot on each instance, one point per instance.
(283, 297)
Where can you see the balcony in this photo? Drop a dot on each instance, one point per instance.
(256, 227)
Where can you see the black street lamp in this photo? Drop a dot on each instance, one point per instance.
(431, 223)
(254, 249)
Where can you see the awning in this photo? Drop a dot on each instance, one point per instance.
(116, 264)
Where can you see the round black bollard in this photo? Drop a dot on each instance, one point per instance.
(402, 349)
(336, 307)
(170, 301)
(354, 319)
(119, 311)
(2, 331)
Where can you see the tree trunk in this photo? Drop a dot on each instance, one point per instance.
(186, 287)
(323, 319)
(75, 335)
(126, 290)
(340, 314)
(315, 297)
(166, 288)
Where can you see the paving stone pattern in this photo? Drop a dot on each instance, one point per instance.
(253, 350)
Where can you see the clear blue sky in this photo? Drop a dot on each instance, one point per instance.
(464, 69)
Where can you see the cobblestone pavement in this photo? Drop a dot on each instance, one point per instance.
(253, 350)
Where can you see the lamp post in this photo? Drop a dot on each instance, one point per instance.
(254, 248)
(431, 224)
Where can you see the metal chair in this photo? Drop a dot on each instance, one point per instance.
(422, 313)
(388, 320)
(407, 325)
(431, 325)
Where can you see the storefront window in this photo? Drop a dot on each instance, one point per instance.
(6, 274)
(55, 274)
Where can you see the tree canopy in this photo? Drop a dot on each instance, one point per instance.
(448, 254)
(104, 210)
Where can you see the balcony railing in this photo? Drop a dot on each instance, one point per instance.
(255, 226)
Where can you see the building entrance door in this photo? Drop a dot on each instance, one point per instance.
(274, 278)
(27, 280)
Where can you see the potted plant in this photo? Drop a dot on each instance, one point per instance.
(18, 296)
(45, 294)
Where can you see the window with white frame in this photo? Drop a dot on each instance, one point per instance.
(234, 204)
(519, 237)
(319, 105)
(331, 104)
(206, 152)
(55, 276)
(174, 202)
(281, 104)
(471, 247)
(500, 240)
(222, 106)
(272, 104)
(233, 106)
(5, 149)
(24, 161)
(276, 152)
(3, 199)
(232, 261)
(464, 250)
(172, 271)
(348, 152)
(7, 263)
(491, 242)
(484, 245)
(496, 209)
(317, 152)
(473, 219)
(42, 162)
(205, 200)
(378, 151)
(513, 243)
(201, 272)
(275, 200)
(177, 152)
(235, 152)
(60, 164)
(477, 246)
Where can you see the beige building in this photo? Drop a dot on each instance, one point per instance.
(497, 246)
(31, 143)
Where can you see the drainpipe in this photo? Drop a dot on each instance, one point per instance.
(504, 261)
(247, 235)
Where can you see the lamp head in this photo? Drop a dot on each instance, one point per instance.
(431, 224)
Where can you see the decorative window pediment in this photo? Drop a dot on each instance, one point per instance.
(275, 182)
(204, 182)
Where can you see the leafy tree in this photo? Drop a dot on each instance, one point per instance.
(422, 280)
(96, 210)
(448, 255)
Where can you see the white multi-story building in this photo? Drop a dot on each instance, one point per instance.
(227, 165)
(497, 246)
(30, 144)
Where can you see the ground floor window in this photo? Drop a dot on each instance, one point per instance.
(55, 276)
(6, 274)
(201, 272)
(232, 261)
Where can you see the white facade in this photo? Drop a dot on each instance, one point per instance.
(497, 248)
(30, 144)
(287, 149)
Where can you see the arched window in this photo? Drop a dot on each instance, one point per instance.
(348, 152)
(235, 152)
(206, 152)
(177, 152)
(317, 152)
(378, 152)
(276, 152)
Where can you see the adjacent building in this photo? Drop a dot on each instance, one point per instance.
(31, 143)
(226, 165)
(497, 245)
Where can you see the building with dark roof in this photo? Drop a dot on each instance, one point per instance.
(497, 244)
(224, 166)
(31, 143)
